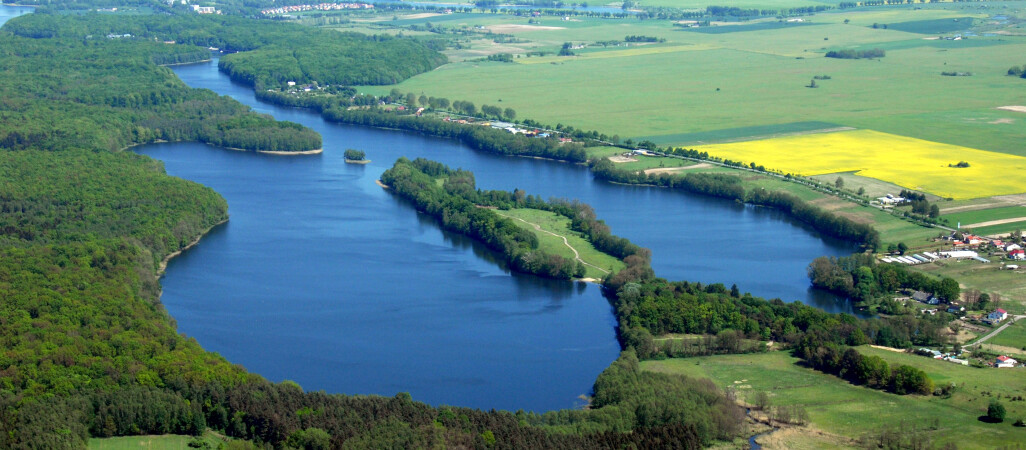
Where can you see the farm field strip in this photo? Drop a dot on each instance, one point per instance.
(604, 54)
(907, 162)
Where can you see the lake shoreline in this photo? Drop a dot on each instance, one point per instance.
(162, 268)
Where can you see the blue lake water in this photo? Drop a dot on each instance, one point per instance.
(324, 278)
(9, 12)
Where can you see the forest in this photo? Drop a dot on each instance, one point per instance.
(258, 52)
(89, 351)
(108, 93)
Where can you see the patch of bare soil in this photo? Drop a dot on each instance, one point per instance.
(1018, 199)
(807, 436)
(890, 349)
(622, 159)
(1003, 349)
(1001, 121)
(1015, 108)
(829, 203)
(677, 169)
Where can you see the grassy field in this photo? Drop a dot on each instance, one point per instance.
(969, 218)
(760, 75)
(839, 408)
(989, 278)
(152, 442)
(600, 263)
(911, 163)
(1013, 336)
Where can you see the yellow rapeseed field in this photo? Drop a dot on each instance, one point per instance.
(908, 162)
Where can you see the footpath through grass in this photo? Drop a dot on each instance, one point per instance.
(838, 407)
(597, 265)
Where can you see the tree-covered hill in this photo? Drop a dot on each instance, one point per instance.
(99, 92)
(259, 51)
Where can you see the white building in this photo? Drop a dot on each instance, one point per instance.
(1004, 361)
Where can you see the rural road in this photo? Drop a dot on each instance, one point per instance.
(995, 332)
(577, 256)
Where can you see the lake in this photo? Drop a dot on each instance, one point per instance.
(324, 278)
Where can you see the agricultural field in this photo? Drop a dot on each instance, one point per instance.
(912, 163)
(609, 88)
(840, 412)
(985, 217)
(553, 228)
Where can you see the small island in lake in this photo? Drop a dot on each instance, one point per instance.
(356, 157)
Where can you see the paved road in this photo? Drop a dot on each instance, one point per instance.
(995, 332)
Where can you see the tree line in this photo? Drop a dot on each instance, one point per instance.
(731, 188)
(856, 54)
(870, 371)
(482, 138)
(871, 285)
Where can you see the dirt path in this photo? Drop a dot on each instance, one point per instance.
(577, 256)
(677, 169)
(995, 222)
(995, 332)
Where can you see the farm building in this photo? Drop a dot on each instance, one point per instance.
(1011, 247)
(998, 315)
(1018, 254)
(923, 297)
(959, 254)
(1004, 361)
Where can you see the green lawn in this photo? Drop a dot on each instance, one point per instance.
(558, 224)
(151, 442)
(837, 407)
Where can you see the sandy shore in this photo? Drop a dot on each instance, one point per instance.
(163, 263)
(379, 183)
(307, 152)
(357, 161)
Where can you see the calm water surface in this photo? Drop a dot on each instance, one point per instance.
(10, 12)
(324, 278)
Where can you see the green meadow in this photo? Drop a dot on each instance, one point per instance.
(985, 215)
(598, 264)
(842, 409)
(161, 442)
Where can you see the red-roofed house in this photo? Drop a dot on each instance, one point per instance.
(998, 315)
(1017, 254)
(1004, 361)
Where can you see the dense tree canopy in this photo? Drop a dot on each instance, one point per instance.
(92, 91)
